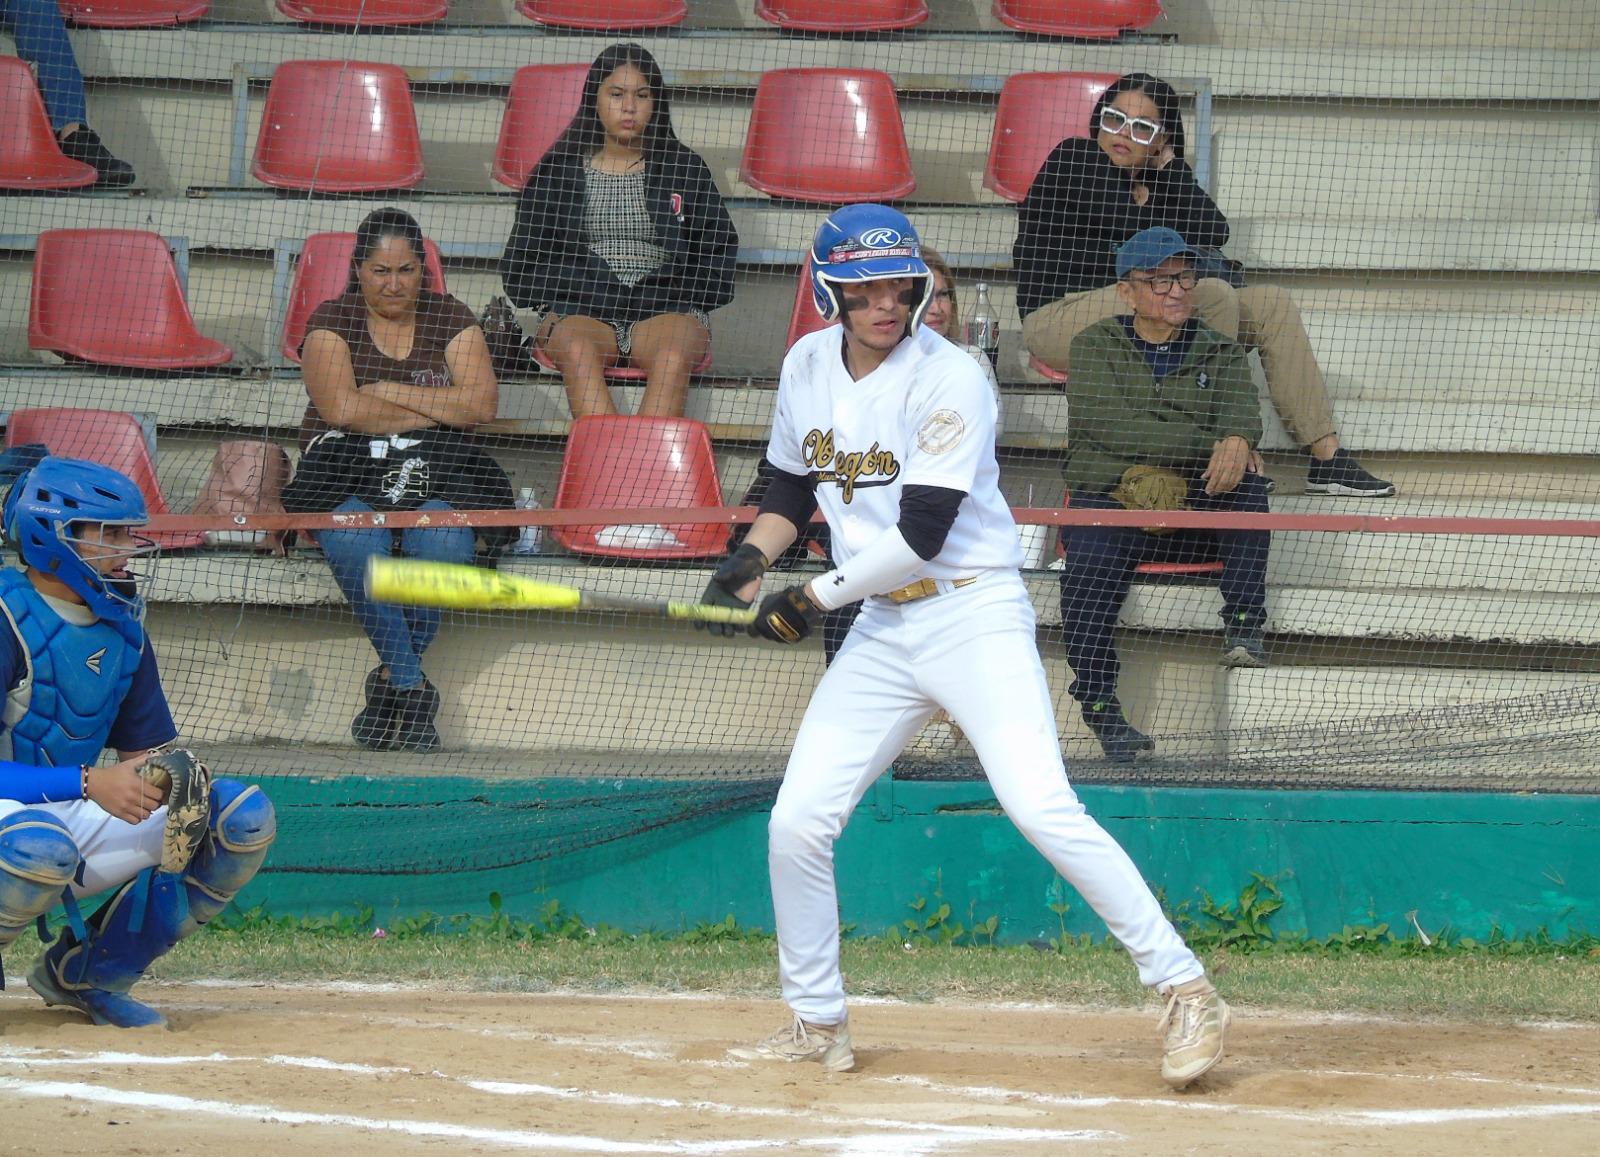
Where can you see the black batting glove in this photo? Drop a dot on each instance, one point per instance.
(786, 617)
(745, 564)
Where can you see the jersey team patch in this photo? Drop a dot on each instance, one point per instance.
(941, 432)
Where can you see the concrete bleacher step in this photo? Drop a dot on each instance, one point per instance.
(1557, 71)
(527, 684)
(1436, 722)
(971, 236)
(1541, 408)
(1382, 603)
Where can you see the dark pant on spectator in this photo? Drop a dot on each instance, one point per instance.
(1100, 562)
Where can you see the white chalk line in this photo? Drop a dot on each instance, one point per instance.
(34, 1057)
(390, 987)
(1328, 1117)
(1466, 1078)
(911, 1136)
(527, 1138)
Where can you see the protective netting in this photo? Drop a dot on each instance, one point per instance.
(1398, 208)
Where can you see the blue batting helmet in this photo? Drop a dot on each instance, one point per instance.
(866, 243)
(41, 510)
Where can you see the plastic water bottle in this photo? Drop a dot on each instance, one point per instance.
(983, 326)
(530, 538)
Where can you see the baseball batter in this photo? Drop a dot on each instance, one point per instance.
(889, 429)
(78, 675)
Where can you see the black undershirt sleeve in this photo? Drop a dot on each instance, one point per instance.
(926, 515)
(794, 496)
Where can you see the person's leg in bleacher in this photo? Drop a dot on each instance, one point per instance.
(402, 703)
(1048, 331)
(1098, 569)
(41, 36)
(1264, 318)
(581, 348)
(1244, 570)
(667, 348)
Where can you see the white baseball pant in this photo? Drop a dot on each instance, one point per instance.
(972, 651)
(114, 851)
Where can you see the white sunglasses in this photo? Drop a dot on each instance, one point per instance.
(1143, 132)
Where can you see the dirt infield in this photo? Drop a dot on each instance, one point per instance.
(360, 1072)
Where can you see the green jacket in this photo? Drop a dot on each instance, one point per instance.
(1119, 416)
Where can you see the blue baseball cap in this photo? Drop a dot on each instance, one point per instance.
(1148, 248)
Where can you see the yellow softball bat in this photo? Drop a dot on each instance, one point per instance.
(415, 582)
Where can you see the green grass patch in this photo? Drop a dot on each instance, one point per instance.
(1455, 984)
(1368, 970)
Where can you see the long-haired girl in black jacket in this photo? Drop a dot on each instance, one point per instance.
(622, 243)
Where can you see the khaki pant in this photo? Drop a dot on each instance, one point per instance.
(1260, 317)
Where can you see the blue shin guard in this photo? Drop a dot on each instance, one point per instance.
(94, 970)
(38, 860)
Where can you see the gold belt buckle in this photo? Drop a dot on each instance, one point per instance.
(922, 589)
(911, 592)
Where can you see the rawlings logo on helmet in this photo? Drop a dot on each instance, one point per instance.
(880, 238)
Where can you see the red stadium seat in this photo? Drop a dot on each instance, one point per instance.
(605, 15)
(365, 13)
(30, 156)
(1157, 569)
(1037, 111)
(803, 318)
(108, 437)
(614, 461)
(843, 15)
(322, 273)
(1090, 19)
(132, 13)
(338, 126)
(112, 296)
(828, 135)
(544, 98)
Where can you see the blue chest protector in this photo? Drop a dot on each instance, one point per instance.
(61, 712)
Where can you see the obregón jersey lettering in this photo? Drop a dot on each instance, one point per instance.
(925, 417)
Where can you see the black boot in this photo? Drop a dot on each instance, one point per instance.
(85, 145)
(415, 709)
(373, 728)
(1121, 740)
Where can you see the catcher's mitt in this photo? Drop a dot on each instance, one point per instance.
(187, 784)
(1152, 488)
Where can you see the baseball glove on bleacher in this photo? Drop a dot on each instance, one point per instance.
(1152, 488)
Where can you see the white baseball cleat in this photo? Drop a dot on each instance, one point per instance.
(1194, 1029)
(827, 1043)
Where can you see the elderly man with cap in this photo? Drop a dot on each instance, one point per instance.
(1163, 416)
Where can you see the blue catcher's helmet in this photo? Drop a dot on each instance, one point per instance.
(39, 514)
(866, 243)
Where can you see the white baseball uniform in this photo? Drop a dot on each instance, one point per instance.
(925, 416)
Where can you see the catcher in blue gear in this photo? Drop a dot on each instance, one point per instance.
(79, 675)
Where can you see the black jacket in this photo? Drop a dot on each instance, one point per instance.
(1078, 211)
(547, 264)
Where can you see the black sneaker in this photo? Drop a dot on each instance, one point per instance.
(1243, 646)
(84, 145)
(1120, 740)
(1342, 474)
(415, 709)
(373, 727)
